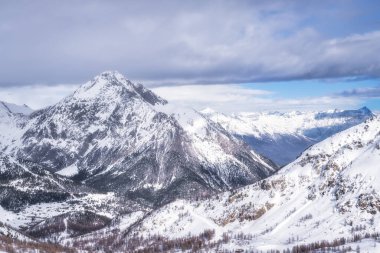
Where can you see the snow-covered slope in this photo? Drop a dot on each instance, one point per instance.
(15, 109)
(331, 191)
(283, 136)
(6, 230)
(23, 183)
(12, 120)
(115, 135)
(38, 202)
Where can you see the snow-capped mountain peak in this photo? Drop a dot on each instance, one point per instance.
(111, 85)
(105, 82)
(117, 135)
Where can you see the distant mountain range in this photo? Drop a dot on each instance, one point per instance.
(283, 136)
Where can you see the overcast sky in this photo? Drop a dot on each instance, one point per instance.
(239, 53)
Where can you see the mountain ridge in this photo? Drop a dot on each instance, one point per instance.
(283, 136)
(115, 135)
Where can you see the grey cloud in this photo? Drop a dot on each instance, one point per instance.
(373, 92)
(174, 42)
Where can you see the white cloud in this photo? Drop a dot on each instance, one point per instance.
(223, 98)
(36, 96)
(208, 93)
(235, 98)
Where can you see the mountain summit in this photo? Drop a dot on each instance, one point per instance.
(114, 86)
(115, 135)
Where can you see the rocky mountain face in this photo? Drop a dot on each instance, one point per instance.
(330, 192)
(23, 183)
(35, 203)
(33, 199)
(283, 136)
(114, 135)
